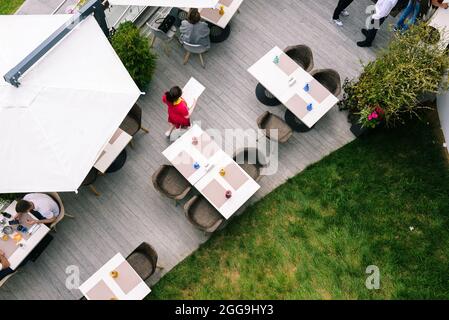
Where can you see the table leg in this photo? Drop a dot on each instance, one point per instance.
(118, 163)
(264, 96)
(294, 123)
(218, 34)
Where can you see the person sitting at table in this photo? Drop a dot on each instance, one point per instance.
(4, 266)
(40, 205)
(195, 31)
(178, 111)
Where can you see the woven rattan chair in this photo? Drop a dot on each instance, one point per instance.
(132, 123)
(329, 78)
(202, 214)
(269, 121)
(89, 181)
(55, 196)
(171, 183)
(3, 281)
(302, 55)
(144, 260)
(251, 161)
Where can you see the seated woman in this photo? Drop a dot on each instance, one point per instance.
(4, 266)
(195, 31)
(178, 111)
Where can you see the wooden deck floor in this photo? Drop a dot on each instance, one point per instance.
(129, 210)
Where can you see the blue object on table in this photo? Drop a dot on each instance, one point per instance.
(307, 88)
(196, 165)
(21, 228)
(276, 60)
(309, 107)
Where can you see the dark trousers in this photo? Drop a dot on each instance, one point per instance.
(342, 5)
(373, 31)
(5, 272)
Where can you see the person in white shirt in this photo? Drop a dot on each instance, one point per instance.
(4, 266)
(41, 205)
(382, 11)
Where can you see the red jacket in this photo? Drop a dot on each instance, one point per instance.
(177, 113)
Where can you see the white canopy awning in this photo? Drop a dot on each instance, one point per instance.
(167, 3)
(69, 104)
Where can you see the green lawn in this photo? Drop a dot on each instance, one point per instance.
(313, 237)
(10, 6)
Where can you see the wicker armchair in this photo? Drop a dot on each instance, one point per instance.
(269, 121)
(144, 260)
(62, 212)
(171, 183)
(203, 215)
(251, 161)
(89, 181)
(329, 78)
(132, 123)
(302, 55)
(3, 281)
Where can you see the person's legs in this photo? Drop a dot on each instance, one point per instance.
(170, 130)
(405, 14)
(414, 17)
(371, 33)
(342, 5)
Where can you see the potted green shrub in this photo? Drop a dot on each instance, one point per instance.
(6, 198)
(391, 87)
(135, 53)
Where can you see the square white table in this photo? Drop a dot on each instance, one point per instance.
(213, 186)
(294, 97)
(113, 148)
(17, 252)
(231, 7)
(183, 155)
(207, 179)
(127, 286)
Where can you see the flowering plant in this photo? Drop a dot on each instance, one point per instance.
(407, 71)
(371, 117)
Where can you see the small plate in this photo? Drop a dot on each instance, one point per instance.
(8, 230)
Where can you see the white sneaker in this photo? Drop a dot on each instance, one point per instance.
(168, 133)
(338, 23)
(345, 13)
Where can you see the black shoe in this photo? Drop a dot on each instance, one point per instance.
(365, 32)
(363, 44)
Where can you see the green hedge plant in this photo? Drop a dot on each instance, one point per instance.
(390, 87)
(135, 53)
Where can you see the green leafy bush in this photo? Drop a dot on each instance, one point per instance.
(5, 198)
(135, 53)
(390, 87)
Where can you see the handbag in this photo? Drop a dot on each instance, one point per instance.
(167, 23)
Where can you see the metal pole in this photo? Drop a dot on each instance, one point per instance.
(94, 6)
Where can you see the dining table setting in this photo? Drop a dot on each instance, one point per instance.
(211, 171)
(19, 238)
(294, 87)
(115, 280)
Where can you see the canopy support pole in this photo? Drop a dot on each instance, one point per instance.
(94, 6)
